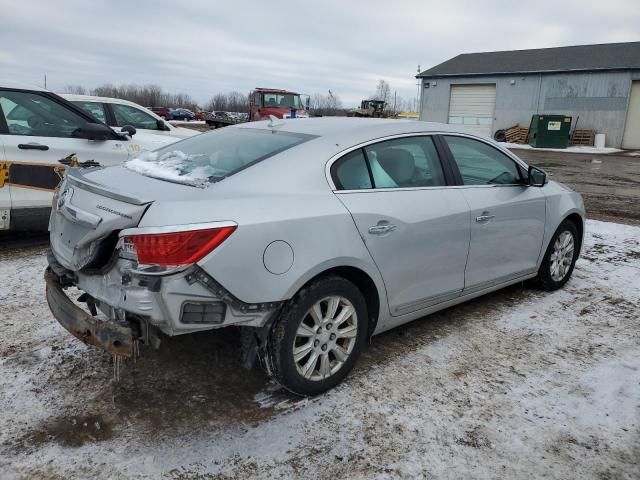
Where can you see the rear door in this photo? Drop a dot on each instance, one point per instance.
(507, 216)
(39, 132)
(416, 229)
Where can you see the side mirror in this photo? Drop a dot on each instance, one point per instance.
(129, 130)
(537, 178)
(162, 126)
(93, 131)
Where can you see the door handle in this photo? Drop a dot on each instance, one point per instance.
(381, 229)
(32, 146)
(485, 217)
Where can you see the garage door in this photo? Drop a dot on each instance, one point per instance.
(473, 106)
(631, 137)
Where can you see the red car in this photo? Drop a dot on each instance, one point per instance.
(163, 112)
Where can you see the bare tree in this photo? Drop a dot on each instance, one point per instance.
(75, 89)
(383, 91)
(147, 95)
(329, 105)
(229, 102)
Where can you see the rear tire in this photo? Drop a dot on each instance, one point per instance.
(319, 336)
(560, 257)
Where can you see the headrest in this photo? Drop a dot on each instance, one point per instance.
(398, 163)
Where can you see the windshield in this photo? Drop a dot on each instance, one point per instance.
(211, 157)
(283, 100)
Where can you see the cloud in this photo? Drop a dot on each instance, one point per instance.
(202, 47)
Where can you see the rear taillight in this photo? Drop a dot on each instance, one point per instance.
(174, 248)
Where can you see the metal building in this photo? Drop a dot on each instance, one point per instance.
(598, 85)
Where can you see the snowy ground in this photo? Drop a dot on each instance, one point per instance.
(518, 384)
(572, 149)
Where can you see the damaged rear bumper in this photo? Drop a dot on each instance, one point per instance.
(114, 338)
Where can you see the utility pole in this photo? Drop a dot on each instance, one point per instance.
(419, 91)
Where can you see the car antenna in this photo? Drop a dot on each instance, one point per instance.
(275, 121)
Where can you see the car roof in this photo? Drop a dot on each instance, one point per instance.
(351, 129)
(92, 98)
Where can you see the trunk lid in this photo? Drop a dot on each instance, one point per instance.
(86, 217)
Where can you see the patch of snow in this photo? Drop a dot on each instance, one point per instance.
(185, 122)
(170, 166)
(572, 149)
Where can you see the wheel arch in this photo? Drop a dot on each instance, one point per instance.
(578, 221)
(364, 282)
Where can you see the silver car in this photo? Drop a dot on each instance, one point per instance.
(311, 235)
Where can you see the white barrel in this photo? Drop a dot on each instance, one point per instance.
(599, 141)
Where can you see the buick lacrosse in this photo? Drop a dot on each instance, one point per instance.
(311, 235)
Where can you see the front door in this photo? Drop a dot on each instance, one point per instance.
(507, 216)
(38, 133)
(5, 194)
(415, 227)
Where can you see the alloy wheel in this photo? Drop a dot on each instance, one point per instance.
(562, 256)
(325, 338)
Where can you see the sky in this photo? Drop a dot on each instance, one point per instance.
(205, 47)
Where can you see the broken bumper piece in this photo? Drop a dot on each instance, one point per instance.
(113, 338)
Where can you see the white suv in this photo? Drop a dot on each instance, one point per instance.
(38, 129)
(117, 113)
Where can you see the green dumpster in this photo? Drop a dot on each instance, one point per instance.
(549, 131)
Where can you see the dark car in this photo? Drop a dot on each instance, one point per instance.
(163, 112)
(182, 114)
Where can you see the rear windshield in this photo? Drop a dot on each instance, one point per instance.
(213, 156)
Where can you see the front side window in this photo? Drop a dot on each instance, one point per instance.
(404, 163)
(93, 108)
(32, 114)
(211, 157)
(127, 115)
(481, 164)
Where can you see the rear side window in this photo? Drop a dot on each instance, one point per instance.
(481, 164)
(94, 108)
(399, 163)
(352, 173)
(213, 156)
(404, 163)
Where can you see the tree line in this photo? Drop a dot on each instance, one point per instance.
(150, 95)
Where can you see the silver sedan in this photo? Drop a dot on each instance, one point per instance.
(311, 235)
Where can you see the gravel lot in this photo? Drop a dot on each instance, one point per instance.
(517, 384)
(609, 184)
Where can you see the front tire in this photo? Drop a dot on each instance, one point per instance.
(560, 257)
(319, 336)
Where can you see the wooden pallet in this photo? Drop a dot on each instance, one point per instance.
(517, 134)
(583, 136)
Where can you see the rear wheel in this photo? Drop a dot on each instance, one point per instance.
(560, 257)
(319, 336)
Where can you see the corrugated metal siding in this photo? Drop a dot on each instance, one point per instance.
(596, 98)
